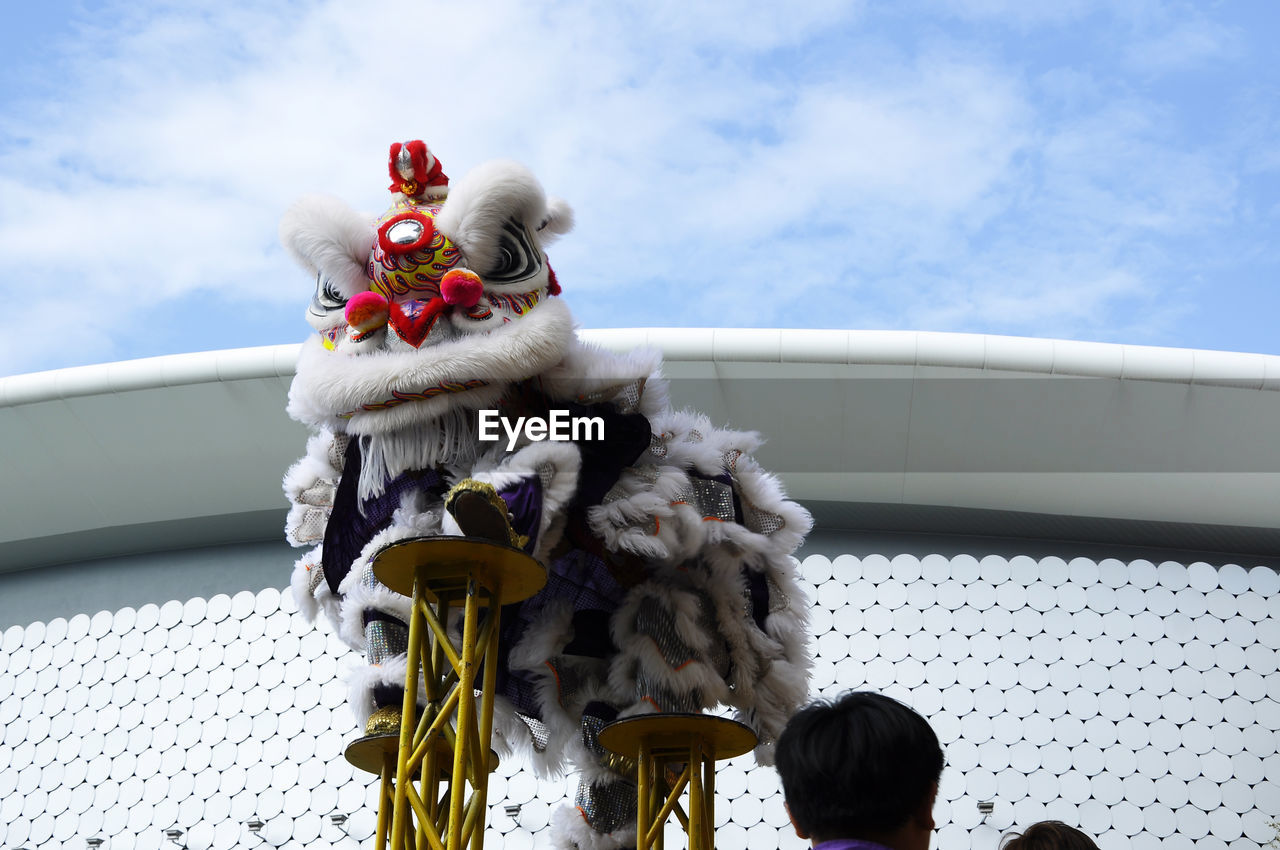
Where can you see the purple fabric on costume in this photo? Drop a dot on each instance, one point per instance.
(849, 844)
(584, 579)
(352, 523)
(524, 502)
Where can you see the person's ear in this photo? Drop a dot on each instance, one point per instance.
(924, 815)
(799, 832)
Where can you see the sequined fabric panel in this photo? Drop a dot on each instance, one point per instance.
(760, 521)
(319, 494)
(315, 575)
(718, 657)
(658, 624)
(625, 397)
(538, 731)
(713, 499)
(310, 529)
(609, 806)
(654, 691)
(384, 639)
(338, 450)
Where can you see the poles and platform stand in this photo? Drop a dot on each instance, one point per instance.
(435, 772)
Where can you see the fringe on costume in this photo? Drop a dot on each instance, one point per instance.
(449, 439)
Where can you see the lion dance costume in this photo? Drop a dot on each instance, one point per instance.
(668, 550)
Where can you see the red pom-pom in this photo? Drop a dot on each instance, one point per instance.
(461, 287)
(367, 311)
(553, 285)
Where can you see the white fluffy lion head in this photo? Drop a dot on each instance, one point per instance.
(464, 258)
(441, 299)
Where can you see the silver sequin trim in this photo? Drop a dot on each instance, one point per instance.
(319, 494)
(625, 396)
(310, 529)
(314, 577)
(659, 625)
(713, 499)
(760, 521)
(655, 691)
(384, 639)
(538, 731)
(646, 474)
(777, 599)
(546, 474)
(338, 450)
(607, 806)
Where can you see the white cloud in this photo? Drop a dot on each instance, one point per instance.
(729, 165)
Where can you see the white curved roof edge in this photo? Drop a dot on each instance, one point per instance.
(745, 345)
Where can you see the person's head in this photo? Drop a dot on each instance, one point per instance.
(862, 766)
(1048, 835)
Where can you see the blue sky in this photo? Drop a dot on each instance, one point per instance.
(1086, 170)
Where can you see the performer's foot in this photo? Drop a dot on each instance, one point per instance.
(384, 721)
(481, 512)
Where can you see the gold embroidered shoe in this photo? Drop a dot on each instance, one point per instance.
(481, 512)
(384, 721)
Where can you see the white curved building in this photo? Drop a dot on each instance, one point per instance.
(1063, 554)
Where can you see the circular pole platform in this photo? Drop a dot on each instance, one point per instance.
(675, 752)
(724, 738)
(449, 562)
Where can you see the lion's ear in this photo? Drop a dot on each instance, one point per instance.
(329, 239)
(483, 206)
(558, 220)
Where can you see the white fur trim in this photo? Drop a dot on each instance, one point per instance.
(570, 831)
(587, 370)
(328, 384)
(408, 521)
(541, 642)
(362, 679)
(314, 466)
(300, 583)
(639, 651)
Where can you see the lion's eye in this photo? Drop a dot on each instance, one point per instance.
(516, 258)
(327, 299)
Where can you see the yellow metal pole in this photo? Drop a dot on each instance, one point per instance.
(709, 793)
(660, 820)
(643, 797)
(386, 801)
(695, 795)
(486, 716)
(466, 715)
(404, 778)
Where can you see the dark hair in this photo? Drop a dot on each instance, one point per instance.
(1048, 835)
(861, 764)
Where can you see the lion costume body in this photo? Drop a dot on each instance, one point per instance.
(669, 551)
